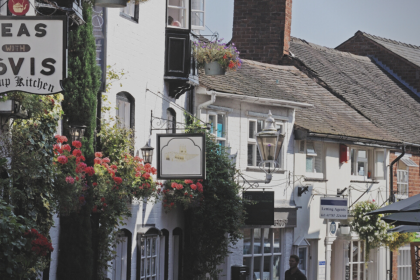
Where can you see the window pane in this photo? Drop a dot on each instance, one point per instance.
(302, 260)
(362, 154)
(247, 241)
(318, 159)
(258, 156)
(142, 248)
(380, 164)
(260, 126)
(362, 271)
(251, 154)
(148, 247)
(361, 167)
(221, 120)
(266, 268)
(212, 121)
(197, 18)
(221, 143)
(153, 266)
(147, 267)
(276, 245)
(197, 5)
(355, 271)
(276, 268)
(257, 241)
(267, 245)
(309, 164)
(257, 268)
(355, 251)
(177, 13)
(251, 130)
(247, 262)
(153, 246)
(362, 251)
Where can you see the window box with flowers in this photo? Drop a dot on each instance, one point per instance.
(216, 57)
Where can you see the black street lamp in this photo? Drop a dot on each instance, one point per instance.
(147, 153)
(77, 131)
(269, 142)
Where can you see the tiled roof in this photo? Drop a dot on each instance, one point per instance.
(330, 115)
(360, 82)
(407, 51)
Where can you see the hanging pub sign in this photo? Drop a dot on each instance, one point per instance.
(259, 207)
(33, 54)
(181, 156)
(333, 208)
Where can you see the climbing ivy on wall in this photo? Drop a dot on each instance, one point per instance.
(79, 106)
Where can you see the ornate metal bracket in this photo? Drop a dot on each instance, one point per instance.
(157, 123)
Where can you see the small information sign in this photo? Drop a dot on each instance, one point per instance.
(333, 208)
(321, 270)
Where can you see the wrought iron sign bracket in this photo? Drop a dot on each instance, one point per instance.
(161, 124)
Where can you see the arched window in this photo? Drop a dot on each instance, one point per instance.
(122, 262)
(125, 109)
(177, 257)
(171, 116)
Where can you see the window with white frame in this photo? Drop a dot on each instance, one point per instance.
(178, 14)
(262, 253)
(356, 258)
(131, 11)
(404, 263)
(402, 183)
(149, 257)
(125, 110)
(197, 14)
(254, 157)
(218, 127)
(121, 263)
(379, 164)
(314, 157)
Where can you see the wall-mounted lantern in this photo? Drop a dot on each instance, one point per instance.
(147, 153)
(12, 109)
(77, 131)
(269, 142)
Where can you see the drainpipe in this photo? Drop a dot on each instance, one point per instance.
(392, 199)
(205, 104)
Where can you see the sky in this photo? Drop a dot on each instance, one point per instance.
(331, 22)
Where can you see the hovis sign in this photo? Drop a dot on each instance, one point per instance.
(33, 52)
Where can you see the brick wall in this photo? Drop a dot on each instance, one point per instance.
(261, 29)
(413, 189)
(361, 45)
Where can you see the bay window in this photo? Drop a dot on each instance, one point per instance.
(262, 253)
(178, 14)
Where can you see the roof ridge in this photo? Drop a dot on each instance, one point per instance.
(389, 40)
(327, 49)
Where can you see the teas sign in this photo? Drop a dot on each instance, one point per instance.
(33, 53)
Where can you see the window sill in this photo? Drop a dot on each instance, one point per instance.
(257, 169)
(128, 17)
(309, 179)
(365, 181)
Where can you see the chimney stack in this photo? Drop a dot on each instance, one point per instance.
(261, 29)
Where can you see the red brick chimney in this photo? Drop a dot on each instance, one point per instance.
(261, 29)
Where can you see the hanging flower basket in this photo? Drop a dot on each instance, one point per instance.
(213, 68)
(215, 57)
(111, 3)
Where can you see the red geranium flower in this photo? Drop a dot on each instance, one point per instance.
(90, 171)
(97, 160)
(70, 180)
(179, 187)
(98, 154)
(77, 144)
(61, 139)
(66, 147)
(188, 182)
(77, 153)
(62, 159)
(117, 180)
(114, 167)
(81, 167)
(94, 184)
(106, 160)
(146, 175)
(193, 187)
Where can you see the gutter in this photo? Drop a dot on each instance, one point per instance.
(392, 199)
(205, 104)
(261, 100)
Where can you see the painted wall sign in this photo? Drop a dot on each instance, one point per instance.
(333, 208)
(321, 270)
(181, 156)
(18, 7)
(260, 210)
(33, 54)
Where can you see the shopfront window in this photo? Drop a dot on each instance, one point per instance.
(262, 253)
(356, 257)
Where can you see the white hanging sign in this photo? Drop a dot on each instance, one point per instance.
(333, 208)
(33, 54)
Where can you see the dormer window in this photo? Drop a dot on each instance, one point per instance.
(178, 14)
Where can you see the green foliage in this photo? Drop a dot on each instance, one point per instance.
(213, 226)
(83, 82)
(116, 140)
(17, 260)
(373, 230)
